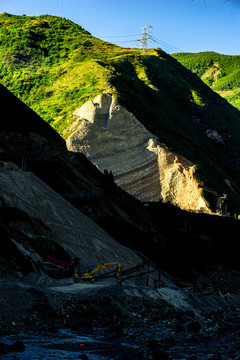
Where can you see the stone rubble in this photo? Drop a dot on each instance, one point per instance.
(118, 322)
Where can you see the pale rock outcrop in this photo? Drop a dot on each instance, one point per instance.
(178, 184)
(113, 139)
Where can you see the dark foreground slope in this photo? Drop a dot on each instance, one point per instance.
(173, 239)
(196, 313)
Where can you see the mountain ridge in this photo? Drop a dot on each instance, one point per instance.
(69, 66)
(220, 72)
(56, 202)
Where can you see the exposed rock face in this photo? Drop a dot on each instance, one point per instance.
(74, 231)
(178, 185)
(113, 139)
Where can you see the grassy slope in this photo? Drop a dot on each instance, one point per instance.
(54, 66)
(220, 72)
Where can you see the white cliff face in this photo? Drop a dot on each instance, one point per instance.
(113, 139)
(178, 185)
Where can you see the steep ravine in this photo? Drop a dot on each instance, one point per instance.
(114, 140)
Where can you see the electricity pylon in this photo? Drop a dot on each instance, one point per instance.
(145, 37)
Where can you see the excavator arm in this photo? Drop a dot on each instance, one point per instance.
(93, 272)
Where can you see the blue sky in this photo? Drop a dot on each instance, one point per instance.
(177, 25)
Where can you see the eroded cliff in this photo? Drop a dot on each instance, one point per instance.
(113, 139)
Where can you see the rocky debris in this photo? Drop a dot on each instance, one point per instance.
(113, 139)
(71, 229)
(120, 322)
(26, 243)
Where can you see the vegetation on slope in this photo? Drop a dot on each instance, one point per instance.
(186, 115)
(220, 72)
(54, 66)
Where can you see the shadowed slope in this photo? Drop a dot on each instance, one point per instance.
(17, 117)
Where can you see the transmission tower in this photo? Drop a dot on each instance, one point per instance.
(145, 37)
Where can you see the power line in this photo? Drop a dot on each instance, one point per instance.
(118, 36)
(163, 42)
(144, 39)
(127, 41)
(171, 47)
(146, 36)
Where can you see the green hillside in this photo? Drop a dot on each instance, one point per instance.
(220, 72)
(54, 66)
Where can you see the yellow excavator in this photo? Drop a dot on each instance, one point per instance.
(92, 273)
